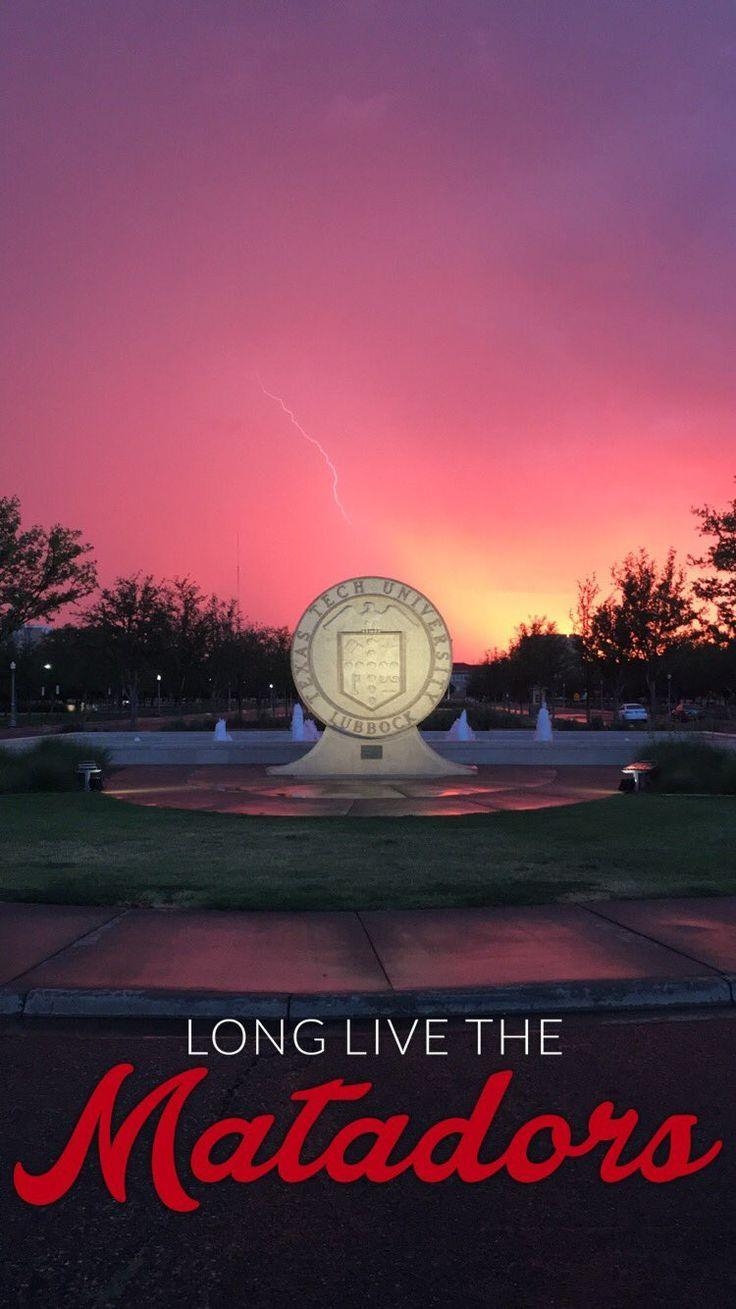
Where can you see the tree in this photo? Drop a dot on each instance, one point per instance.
(189, 632)
(41, 570)
(540, 656)
(649, 614)
(718, 589)
(609, 645)
(703, 669)
(584, 635)
(244, 657)
(79, 664)
(224, 654)
(261, 657)
(490, 680)
(277, 652)
(133, 620)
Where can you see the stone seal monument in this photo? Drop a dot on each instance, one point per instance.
(371, 658)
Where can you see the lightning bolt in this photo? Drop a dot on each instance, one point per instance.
(312, 441)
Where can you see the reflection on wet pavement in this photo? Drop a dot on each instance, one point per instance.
(248, 789)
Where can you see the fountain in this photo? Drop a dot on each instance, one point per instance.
(461, 730)
(303, 729)
(543, 730)
(221, 732)
(297, 724)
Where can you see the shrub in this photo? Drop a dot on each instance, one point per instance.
(482, 718)
(188, 725)
(74, 723)
(693, 766)
(233, 722)
(50, 765)
(578, 724)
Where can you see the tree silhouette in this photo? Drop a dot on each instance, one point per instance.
(584, 635)
(133, 621)
(41, 569)
(540, 656)
(719, 588)
(649, 614)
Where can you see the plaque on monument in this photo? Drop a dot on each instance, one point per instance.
(371, 658)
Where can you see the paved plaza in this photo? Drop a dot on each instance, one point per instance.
(247, 789)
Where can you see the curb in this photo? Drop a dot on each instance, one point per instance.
(550, 997)
(58, 1002)
(529, 998)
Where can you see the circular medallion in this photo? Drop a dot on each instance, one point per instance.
(371, 657)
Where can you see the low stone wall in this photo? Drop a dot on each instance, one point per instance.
(252, 747)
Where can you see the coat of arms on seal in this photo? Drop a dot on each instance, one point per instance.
(371, 666)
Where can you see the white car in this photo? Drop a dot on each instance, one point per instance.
(632, 713)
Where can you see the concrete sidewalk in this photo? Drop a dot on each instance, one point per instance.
(59, 960)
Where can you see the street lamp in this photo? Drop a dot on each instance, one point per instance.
(13, 715)
(669, 693)
(158, 694)
(270, 687)
(47, 668)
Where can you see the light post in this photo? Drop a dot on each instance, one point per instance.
(13, 714)
(669, 693)
(270, 687)
(47, 669)
(158, 694)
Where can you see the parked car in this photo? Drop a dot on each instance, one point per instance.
(632, 714)
(686, 712)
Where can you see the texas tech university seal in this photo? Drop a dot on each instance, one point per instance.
(371, 657)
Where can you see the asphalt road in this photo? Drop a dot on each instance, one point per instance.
(569, 1241)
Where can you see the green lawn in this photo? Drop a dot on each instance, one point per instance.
(92, 849)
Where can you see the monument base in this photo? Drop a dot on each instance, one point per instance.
(339, 755)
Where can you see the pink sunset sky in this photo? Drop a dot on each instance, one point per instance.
(484, 250)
